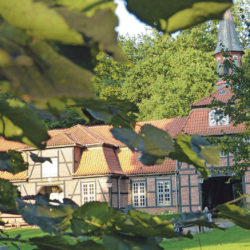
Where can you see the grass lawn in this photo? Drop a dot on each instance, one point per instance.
(26, 234)
(233, 238)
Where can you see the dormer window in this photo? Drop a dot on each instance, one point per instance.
(217, 118)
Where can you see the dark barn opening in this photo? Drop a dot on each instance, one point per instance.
(216, 190)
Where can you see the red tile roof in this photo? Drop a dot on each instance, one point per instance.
(131, 165)
(173, 125)
(8, 176)
(98, 161)
(223, 94)
(5, 145)
(104, 130)
(198, 123)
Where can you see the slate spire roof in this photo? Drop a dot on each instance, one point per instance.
(227, 37)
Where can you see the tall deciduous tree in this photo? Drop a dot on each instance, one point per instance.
(164, 74)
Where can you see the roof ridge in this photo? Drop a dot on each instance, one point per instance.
(155, 120)
(100, 135)
(65, 135)
(88, 131)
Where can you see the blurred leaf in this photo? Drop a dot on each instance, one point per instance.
(8, 193)
(51, 219)
(38, 20)
(236, 214)
(20, 123)
(116, 242)
(36, 158)
(156, 141)
(89, 27)
(91, 218)
(148, 225)
(115, 112)
(88, 6)
(12, 162)
(50, 242)
(127, 136)
(60, 243)
(204, 150)
(211, 154)
(170, 16)
(149, 160)
(5, 59)
(184, 153)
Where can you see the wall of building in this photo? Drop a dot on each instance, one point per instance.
(151, 203)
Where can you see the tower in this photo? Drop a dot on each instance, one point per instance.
(228, 42)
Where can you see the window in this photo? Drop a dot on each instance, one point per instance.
(88, 192)
(163, 193)
(139, 194)
(50, 169)
(226, 66)
(235, 61)
(219, 68)
(223, 154)
(217, 119)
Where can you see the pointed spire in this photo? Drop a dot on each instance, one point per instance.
(228, 38)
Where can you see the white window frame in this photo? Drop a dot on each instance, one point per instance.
(163, 190)
(217, 119)
(50, 169)
(139, 194)
(88, 192)
(223, 154)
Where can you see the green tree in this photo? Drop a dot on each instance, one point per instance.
(151, 78)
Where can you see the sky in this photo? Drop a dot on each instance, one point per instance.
(128, 23)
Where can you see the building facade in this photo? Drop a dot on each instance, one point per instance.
(88, 164)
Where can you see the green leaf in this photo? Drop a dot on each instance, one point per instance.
(211, 154)
(50, 77)
(204, 150)
(127, 136)
(88, 6)
(115, 112)
(149, 160)
(236, 214)
(8, 193)
(184, 153)
(116, 242)
(20, 123)
(50, 242)
(156, 141)
(91, 218)
(5, 59)
(36, 158)
(51, 219)
(60, 243)
(89, 27)
(33, 17)
(170, 16)
(12, 162)
(148, 225)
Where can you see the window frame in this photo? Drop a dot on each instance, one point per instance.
(164, 193)
(88, 195)
(212, 115)
(223, 154)
(139, 194)
(43, 168)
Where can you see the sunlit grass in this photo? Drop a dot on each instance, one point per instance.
(233, 238)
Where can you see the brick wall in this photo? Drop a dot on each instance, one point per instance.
(246, 189)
